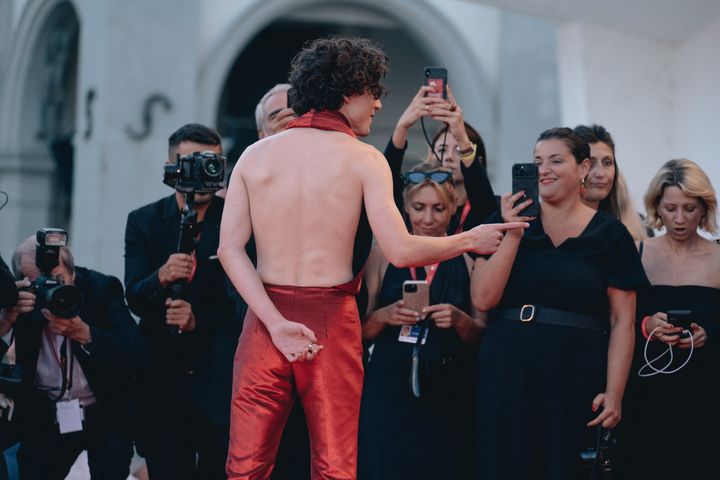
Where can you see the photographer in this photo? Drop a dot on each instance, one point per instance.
(8, 299)
(184, 391)
(75, 357)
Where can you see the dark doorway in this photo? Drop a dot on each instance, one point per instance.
(265, 62)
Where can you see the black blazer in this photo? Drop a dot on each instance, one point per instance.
(109, 361)
(199, 362)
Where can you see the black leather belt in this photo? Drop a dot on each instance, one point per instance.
(552, 316)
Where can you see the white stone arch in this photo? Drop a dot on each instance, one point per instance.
(423, 21)
(25, 37)
(26, 166)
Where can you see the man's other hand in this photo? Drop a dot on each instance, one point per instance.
(179, 313)
(73, 328)
(179, 266)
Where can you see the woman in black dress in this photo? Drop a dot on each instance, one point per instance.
(670, 417)
(430, 437)
(549, 371)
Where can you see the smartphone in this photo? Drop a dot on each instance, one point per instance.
(436, 77)
(416, 294)
(680, 318)
(525, 178)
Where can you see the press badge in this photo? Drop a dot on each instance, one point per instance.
(409, 334)
(69, 415)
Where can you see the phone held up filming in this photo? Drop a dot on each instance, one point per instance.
(525, 178)
(436, 77)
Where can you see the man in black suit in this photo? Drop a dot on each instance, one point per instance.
(77, 373)
(184, 394)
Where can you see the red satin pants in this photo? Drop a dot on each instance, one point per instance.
(265, 385)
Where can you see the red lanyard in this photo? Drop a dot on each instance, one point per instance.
(463, 217)
(429, 276)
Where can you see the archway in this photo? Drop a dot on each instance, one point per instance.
(39, 119)
(413, 35)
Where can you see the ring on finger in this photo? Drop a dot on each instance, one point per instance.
(453, 107)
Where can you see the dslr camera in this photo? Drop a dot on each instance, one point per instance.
(62, 300)
(200, 172)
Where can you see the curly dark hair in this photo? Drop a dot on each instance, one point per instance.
(327, 69)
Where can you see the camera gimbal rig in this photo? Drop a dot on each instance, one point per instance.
(187, 241)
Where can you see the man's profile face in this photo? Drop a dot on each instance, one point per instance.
(360, 110)
(272, 107)
(188, 148)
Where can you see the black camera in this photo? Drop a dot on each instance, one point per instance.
(62, 300)
(201, 172)
(603, 462)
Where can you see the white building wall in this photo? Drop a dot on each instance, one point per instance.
(129, 51)
(696, 121)
(625, 83)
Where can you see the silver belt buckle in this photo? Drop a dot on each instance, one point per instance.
(524, 316)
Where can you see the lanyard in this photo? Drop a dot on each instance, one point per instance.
(62, 360)
(429, 276)
(463, 217)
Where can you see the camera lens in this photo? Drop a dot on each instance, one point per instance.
(411, 287)
(213, 168)
(64, 301)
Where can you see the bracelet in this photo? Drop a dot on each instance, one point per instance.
(467, 151)
(643, 326)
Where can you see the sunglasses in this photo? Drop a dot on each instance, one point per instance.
(436, 176)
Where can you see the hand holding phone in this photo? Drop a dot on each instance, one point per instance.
(680, 318)
(436, 77)
(525, 179)
(416, 294)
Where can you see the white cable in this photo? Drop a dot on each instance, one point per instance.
(649, 363)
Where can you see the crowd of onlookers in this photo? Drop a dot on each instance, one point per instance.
(517, 368)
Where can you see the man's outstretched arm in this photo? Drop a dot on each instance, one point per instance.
(290, 338)
(403, 249)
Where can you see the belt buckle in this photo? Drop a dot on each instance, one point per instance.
(527, 318)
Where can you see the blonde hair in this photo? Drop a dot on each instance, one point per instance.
(692, 180)
(445, 190)
(626, 209)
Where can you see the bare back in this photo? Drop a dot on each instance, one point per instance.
(305, 198)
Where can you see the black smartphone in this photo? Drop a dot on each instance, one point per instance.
(436, 77)
(680, 318)
(525, 178)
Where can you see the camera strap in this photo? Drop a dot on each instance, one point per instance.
(65, 363)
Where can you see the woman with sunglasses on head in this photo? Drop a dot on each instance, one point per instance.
(430, 437)
(672, 416)
(550, 373)
(457, 146)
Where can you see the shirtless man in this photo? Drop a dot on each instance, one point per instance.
(301, 192)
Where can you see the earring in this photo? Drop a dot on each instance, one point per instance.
(582, 186)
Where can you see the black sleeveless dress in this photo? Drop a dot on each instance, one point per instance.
(537, 381)
(672, 420)
(431, 437)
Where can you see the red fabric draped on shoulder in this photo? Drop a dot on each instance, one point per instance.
(323, 120)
